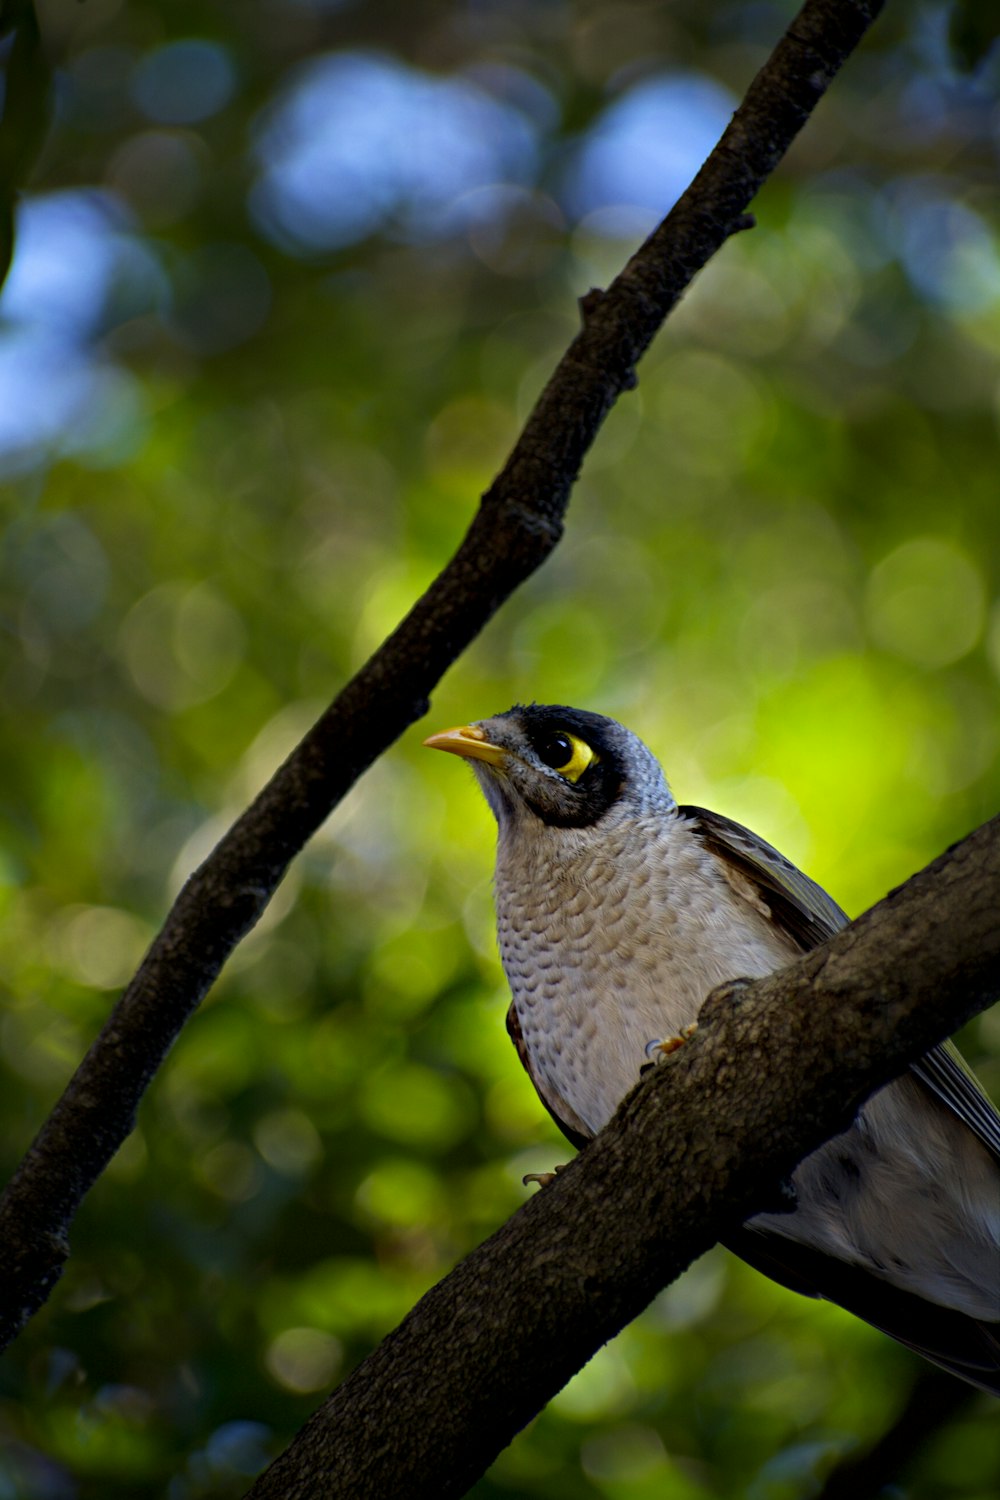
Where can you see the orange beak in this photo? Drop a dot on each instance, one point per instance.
(469, 741)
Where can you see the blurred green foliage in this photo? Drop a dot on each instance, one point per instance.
(244, 418)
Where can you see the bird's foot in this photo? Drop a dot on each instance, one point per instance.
(542, 1178)
(660, 1048)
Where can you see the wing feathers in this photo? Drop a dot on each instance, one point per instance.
(798, 905)
(803, 909)
(962, 1345)
(946, 1074)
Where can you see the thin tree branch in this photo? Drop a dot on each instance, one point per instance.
(518, 523)
(776, 1067)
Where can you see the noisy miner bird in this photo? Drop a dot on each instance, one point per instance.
(617, 913)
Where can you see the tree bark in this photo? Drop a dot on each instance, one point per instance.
(776, 1067)
(518, 524)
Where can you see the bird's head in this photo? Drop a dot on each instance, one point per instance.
(565, 766)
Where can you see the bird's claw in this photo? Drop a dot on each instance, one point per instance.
(542, 1178)
(660, 1048)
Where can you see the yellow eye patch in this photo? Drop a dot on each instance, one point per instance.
(565, 753)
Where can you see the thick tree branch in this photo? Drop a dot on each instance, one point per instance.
(776, 1067)
(518, 524)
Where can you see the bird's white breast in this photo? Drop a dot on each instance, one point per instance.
(611, 939)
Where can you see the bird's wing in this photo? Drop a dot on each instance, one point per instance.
(803, 910)
(945, 1072)
(963, 1345)
(565, 1117)
(797, 904)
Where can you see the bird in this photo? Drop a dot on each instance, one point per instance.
(618, 911)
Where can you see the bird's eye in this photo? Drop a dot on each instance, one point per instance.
(565, 754)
